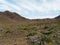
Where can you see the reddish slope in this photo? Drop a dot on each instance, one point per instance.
(5, 19)
(11, 17)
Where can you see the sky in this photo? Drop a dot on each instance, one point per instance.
(32, 9)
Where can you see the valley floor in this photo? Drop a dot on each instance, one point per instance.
(30, 34)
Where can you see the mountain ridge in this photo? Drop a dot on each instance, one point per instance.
(14, 17)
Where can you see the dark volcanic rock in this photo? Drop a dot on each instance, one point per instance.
(58, 17)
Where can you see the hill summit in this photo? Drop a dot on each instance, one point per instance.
(58, 17)
(8, 16)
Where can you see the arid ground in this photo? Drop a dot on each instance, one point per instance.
(17, 30)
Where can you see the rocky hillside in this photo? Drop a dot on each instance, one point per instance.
(8, 16)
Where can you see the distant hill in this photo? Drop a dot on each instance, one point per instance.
(8, 16)
(58, 17)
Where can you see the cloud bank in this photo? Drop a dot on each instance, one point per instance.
(32, 8)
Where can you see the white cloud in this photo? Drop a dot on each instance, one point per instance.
(44, 7)
(24, 6)
(7, 5)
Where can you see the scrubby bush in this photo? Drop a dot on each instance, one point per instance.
(22, 28)
(8, 31)
(47, 39)
(32, 33)
(34, 43)
(47, 32)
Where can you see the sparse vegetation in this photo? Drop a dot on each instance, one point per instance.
(15, 31)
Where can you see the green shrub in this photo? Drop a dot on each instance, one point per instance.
(34, 43)
(47, 32)
(22, 28)
(47, 39)
(32, 33)
(8, 31)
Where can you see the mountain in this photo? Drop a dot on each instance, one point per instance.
(58, 17)
(8, 16)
